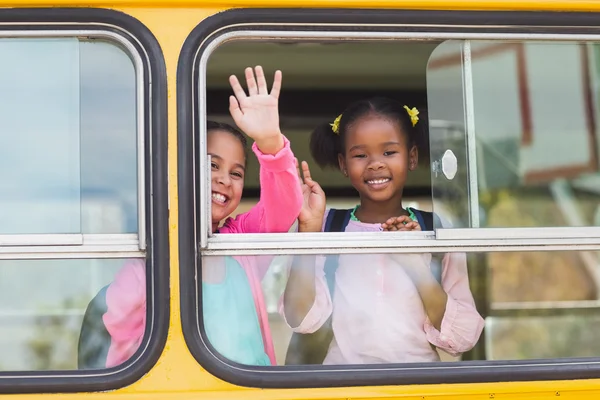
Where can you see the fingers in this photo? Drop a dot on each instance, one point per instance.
(238, 91)
(306, 171)
(390, 224)
(308, 180)
(387, 224)
(402, 223)
(251, 82)
(276, 89)
(298, 170)
(234, 109)
(403, 219)
(256, 82)
(410, 226)
(413, 226)
(261, 81)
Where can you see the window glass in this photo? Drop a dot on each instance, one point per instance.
(534, 113)
(480, 165)
(109, 140)
(531, 304)
(68, 138)
(39, 114)
(41, 323)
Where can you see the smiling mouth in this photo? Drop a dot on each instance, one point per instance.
(379, 181)
(219, 198)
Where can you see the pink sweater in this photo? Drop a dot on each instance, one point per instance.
(278, 207)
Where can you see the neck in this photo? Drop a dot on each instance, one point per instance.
(215, 226)
(373, 212)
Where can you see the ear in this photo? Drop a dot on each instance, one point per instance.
(413, 158)
(342, 164)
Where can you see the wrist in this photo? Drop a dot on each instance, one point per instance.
(271, 144)
(309, 226)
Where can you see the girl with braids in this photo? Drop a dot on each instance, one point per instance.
(374, 308)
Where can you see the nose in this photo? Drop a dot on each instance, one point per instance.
(222, 178)
(375, 164)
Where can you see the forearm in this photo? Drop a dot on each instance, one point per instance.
(432, 294)
(300, 292)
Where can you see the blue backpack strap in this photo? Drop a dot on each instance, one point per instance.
(311, 348)
(337, 220)
(94, 339)
(425, 225)
(428, 221)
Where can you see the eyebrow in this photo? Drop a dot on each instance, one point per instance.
(221, 158)
(360, 146)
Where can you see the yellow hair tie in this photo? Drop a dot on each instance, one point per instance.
(335, 127)
(412, 113)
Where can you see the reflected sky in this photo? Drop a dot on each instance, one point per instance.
(67, 137)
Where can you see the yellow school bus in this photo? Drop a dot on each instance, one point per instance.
(103, 108)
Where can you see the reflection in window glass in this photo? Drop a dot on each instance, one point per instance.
(535, 122)
(109, 156)
(377, 313)
(535, 304)
(522, 338)
(41, 323)
(39, 136)
(67, 138)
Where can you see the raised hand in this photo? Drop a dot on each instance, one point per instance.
(401, 223)
(313, 206)
(257, 113)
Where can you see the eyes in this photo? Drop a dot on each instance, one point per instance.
(236, 174)
(385, 153)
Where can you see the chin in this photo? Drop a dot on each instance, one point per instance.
(218, 218)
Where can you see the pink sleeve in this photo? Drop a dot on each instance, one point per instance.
(125, 318)
(280, 195)
(462, 325)
(321, 308)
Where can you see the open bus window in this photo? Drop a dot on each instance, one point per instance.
(71, 213)
(522, 129)
(495, 112)
(312, 94)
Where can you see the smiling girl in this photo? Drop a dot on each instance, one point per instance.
(235, 316)
(381, 308)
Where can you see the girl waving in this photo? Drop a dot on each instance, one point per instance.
(235, 316)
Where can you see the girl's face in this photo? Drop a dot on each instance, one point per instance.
(377, 159)
(228, 164)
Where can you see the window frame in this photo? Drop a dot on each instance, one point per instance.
(194, 240)
(152, 241)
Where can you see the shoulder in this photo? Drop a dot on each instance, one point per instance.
(129, 283)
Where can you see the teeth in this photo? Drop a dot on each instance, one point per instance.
(378, 181)
(219, 197)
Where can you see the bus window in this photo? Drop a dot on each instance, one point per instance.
(522, 131)
(365, 309)
(315, 94)
(473, 154)
(539, 305)
(71, 198)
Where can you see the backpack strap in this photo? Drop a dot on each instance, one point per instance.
(311, 348)
(94, 339)
(427, 220)
(337, 220)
